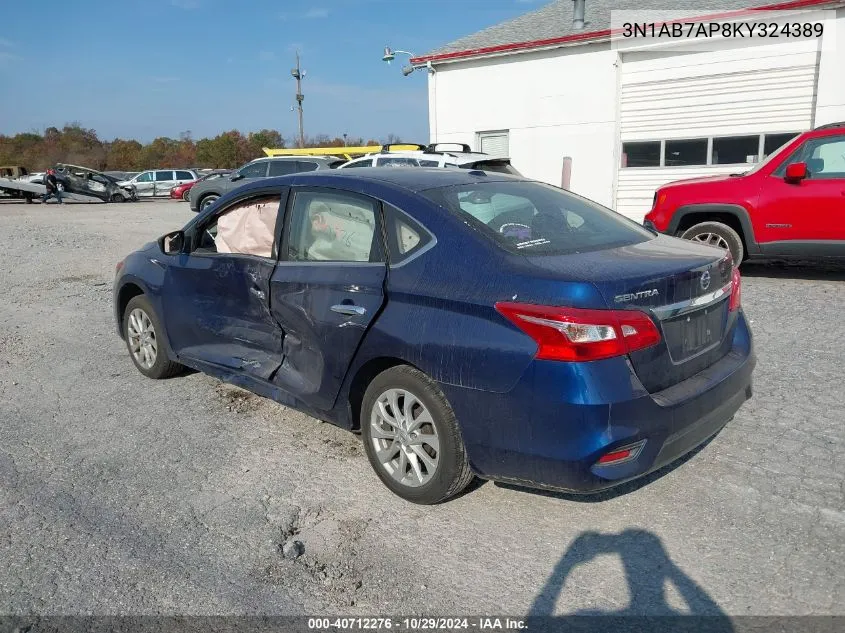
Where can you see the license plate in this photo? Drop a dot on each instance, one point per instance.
(699, 332)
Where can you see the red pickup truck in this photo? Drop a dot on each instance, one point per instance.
(792, 205)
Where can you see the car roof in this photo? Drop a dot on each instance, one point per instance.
(410, 178)
(456, 157)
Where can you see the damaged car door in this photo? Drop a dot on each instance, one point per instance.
(327, 288)
(217, 295)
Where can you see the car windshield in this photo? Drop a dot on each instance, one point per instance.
(535, 218)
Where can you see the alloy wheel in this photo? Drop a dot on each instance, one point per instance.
(712, 239)
(404, 438)
(142, 338)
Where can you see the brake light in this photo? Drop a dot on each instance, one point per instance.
(736, 290)
(575, 334)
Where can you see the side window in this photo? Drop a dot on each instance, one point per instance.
(254, 170)
(306, 165)
(366, 162)
(396, 161)
(184, 175)
(283, 167)
(145, 177)
(825, 158)
(333, 227)
(429, 163)
(405, 236)
(247, 227)
(164, 176)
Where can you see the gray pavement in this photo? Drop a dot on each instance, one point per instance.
(122, 495)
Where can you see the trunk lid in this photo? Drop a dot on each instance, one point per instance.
(683, 286)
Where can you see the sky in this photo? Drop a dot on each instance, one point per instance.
(148, 68)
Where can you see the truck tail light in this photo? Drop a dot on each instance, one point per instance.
(736, 290)
(575, 334)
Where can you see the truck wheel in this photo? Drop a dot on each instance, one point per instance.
(717, 234)
(412, 438)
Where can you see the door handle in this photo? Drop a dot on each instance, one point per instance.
(258, 293)
(349, 310)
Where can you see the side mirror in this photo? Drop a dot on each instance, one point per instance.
(172, 243)
(235, 176)
(795, 173)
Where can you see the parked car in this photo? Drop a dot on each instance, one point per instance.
(465, 322)
(159, 182)
(182, 192)
(90, 182)
(206, 193)
(434, 156)
(791, 205)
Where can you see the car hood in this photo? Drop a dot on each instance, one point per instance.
(702, 180)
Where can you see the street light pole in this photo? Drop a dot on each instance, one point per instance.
(299, 75)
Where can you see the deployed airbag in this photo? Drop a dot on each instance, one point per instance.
(249, 228)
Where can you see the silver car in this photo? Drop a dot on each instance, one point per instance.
(159, 182)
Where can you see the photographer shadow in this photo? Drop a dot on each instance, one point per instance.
(648, 569)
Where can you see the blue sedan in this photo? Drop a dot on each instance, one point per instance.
(465, 322)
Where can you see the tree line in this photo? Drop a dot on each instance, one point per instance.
(77, 145)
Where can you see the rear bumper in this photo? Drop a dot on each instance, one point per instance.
(551, 429)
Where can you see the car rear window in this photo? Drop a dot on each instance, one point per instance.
(535, 218)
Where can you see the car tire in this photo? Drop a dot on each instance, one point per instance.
(116, 197)
(206, 201)
(142, 329)
(186, 195)
(418, 454)
(717, 234)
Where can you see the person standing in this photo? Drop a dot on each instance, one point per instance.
(52, 184)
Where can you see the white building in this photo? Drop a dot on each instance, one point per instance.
(633, 114)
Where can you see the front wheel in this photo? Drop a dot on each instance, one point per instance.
(143, 333)
(186, 194)
(116, 197)
(412, 438)
(717, 234)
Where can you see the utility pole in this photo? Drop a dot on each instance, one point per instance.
(299, 75)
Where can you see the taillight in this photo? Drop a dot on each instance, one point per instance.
(118, 267)
(575, 334)
(736, 290)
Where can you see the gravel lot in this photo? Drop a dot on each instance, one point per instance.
(123, 495)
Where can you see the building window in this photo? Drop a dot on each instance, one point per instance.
(773, 141)
(686, 152)
(731, 150)
(641, 154)
(494, 143)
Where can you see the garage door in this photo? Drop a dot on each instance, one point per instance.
(685, 115)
